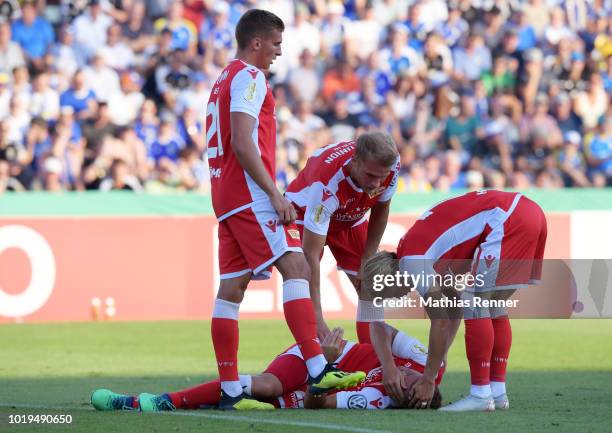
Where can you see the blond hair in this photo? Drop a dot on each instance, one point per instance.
(377, 146)
(381, 263)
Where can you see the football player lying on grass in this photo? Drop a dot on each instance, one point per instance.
(283, 383)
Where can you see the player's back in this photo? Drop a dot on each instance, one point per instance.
(240, 88)
(323, 165)
(458, 222)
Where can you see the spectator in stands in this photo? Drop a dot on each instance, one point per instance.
(100, 78)
(168, 143)
(184, 33)
(398, 66)
(79, 97)
(45, 100)
(303, 80)
(116, 54)
(33, 33)
(90, 28)
(464, 131)
(120, 179)
(11, 54)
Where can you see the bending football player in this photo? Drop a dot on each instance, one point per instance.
(497, 237)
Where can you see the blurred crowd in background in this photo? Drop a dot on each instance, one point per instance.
(107, 94)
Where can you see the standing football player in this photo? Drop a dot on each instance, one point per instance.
(256, 223)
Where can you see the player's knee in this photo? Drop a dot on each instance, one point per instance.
(232, 291)
(293, 266)
(266, 386)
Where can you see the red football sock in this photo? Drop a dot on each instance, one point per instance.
(363, 332)
(501, 348)
(224, 330)
(478, 347)
(300, 317)
(206, 394)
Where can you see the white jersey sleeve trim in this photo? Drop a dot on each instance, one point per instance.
(248, 91)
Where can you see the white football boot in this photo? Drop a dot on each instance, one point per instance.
(502, 402)
(471, 403)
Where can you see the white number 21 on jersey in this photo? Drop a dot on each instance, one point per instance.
(214, 130)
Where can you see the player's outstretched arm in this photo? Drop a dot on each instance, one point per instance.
(393, 380)
(312, 245)
(379, 216)
(242, 126)
(440, 332)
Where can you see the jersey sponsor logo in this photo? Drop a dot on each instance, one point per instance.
(326, 194)
(377, 191)
(489, 258)
(271, 224)
(249, 93)
(349, 216)
(215, 173)
(346, 204)
(374, 375)
(295, 234)
(357, 401)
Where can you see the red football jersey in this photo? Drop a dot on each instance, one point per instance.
(240, 88)
(362, 357)
(455, 228)
(326, 198)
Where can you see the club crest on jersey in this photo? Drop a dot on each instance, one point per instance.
(377, 191)
(271, 225)
(249, 93)
(489, 258)
(326, 194)
(357, 401)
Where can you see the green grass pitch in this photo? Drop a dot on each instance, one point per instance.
(560, 378)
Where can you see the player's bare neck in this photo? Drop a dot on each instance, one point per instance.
(352, 172)
(247, 58)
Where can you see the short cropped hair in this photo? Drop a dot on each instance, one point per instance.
(256, 22)
(377, 146)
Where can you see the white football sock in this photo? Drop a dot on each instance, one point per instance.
(232, 387)
(498, 388)
(246, 380)
(315, 365)
(482, 391)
